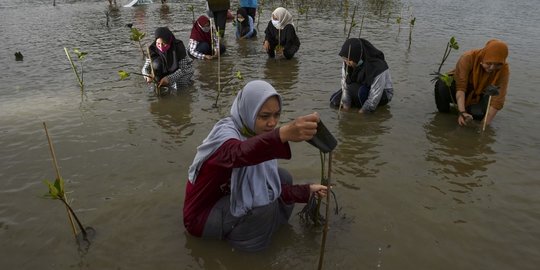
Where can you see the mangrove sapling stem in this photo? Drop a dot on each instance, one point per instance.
(83, 231)
(325, 229)
(57, 171)
(361, 26)
(353, 23)
(74, 68)
(410, 30)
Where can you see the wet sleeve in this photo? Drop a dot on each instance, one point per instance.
(498, 101)
(295, 193)
(462, 71)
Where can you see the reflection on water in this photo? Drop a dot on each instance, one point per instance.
(356, 153)
(173, 114)
(460, 155)
(117, 142)
(282, 74)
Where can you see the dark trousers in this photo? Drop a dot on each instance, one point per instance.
(204, 48)
(253, 231)
(220, 20)
(251, 12)
(445, 96)
(359, 93)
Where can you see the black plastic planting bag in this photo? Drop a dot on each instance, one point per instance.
(323, 139)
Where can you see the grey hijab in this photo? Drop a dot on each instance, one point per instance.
(251, 186)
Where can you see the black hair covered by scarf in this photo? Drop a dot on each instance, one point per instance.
(373, 60)
(171, 57)
(243, 12)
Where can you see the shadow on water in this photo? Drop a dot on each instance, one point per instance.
(356, 153)
(460, 155)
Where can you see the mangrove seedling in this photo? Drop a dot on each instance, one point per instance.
(192, 9)
(411, 25)
(353, 22)
(361, 26)
(398, 21)
(138, 36)
(80, 55)
(57, 192)
(452, 44)
(238, 76)
(18, 56)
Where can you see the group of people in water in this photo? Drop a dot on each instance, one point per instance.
(235, 190)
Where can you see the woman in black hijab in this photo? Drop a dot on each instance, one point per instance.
(366, 81)
(170, 65)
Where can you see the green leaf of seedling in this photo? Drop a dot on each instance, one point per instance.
(136, 35)
(53, 191)
(80, 55)
(447, 79)
(398, 20)
(413, 21)
(191, 8)
(123, 74)
(239, 75)
(453, 43)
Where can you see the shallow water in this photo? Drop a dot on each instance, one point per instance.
(415, 190)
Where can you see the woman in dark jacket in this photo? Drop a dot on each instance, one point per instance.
(170, 66)
(281, 38)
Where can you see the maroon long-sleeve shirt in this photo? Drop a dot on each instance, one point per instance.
(213, 179)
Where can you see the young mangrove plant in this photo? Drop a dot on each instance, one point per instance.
(158, 90)
(238, 76)
(192, 9)
(450, 45)
(353, 22)
(80, 56)
(57, 192)
(138, 36)
(411, 25)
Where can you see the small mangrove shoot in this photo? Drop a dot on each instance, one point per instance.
(138, 36)
(80, 56)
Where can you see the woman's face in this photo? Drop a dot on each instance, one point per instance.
(240, 18)
(161, 44)
(268, 116)
(490, 67)
(349, 62)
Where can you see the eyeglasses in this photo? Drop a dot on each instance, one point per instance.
(493, 65)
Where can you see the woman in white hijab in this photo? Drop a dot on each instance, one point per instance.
(235, 190)
(280, 35)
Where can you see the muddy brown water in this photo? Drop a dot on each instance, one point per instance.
(415, 190)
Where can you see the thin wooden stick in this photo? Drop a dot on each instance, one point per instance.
(486, 116)
(58, 177)
(325, 229)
